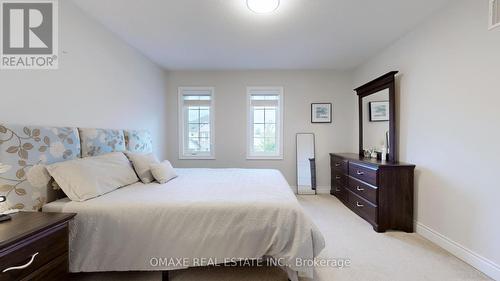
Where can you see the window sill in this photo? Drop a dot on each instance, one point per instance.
(196, 157)
(264, 157)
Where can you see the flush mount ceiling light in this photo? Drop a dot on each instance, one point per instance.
(263, 6)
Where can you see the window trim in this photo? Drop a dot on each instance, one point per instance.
(249, 155)
(493, 16)
(181, 127)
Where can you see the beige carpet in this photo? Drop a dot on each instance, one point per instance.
(374, 256)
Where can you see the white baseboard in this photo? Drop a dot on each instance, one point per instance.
(323, 189)
(319, 189)
(479, 262)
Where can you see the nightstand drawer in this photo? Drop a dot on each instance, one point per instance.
(34, 252)
(56, 269)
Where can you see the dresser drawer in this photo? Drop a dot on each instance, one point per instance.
(338, 163)
(363, 173)
(362, 207)
(338, 178)
(32, 253)
(368, 192)
(339, 192)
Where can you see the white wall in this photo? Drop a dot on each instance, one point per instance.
(448, 108)
(101, 82)
(301, 88)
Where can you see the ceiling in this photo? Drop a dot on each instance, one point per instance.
(224, 34)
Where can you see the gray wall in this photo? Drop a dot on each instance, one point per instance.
(101, 82)
(301, 88)
(448, 108)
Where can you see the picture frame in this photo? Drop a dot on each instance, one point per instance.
(321, 112)
(378, 111)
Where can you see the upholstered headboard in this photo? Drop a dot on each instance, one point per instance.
(22, 147)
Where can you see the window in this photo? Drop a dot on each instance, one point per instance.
(196, 123)
(265, 129)
(494, 14)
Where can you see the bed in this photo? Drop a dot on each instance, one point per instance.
(202, 217)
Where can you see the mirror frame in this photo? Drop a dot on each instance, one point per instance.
(313, 176)
(386, 81)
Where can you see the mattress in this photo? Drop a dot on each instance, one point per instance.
(202, 217)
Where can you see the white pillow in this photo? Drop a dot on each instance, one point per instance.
(86, 178)
(38, 176)
(141, 163)
(163, 172)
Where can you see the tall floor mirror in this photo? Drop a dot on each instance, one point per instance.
(306, 164)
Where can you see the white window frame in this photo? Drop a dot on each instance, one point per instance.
(493, 17)
(256, 156)
(182, 125)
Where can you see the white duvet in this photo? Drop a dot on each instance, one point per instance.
(202, 216)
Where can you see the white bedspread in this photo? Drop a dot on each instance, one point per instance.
(211, 214)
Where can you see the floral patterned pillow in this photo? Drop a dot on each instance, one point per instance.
(23, 147)
(101, 141)
(139, 141)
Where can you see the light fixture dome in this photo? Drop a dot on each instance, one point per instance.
(263, 6)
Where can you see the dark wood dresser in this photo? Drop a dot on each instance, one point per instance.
(378, 191)
(34, 246)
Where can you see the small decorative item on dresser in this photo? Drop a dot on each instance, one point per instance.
(34, 246)
(367, 153)
(321, 113)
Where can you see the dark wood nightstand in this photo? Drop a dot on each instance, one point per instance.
(34, 246)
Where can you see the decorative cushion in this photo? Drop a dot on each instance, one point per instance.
(141, 163)
(139, 141)
(163, 172)
(86, 178)
(21, 149)
(96, 142)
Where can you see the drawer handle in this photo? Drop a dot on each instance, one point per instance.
(22, 266)
(360, 173)
(359, 188)
(337, 164)
(337, 177)
(337, 189)
(359, 205)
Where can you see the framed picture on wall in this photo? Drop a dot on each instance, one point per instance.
(379, 111)
(321, 113)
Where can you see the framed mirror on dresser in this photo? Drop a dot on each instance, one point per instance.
(373, 183)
